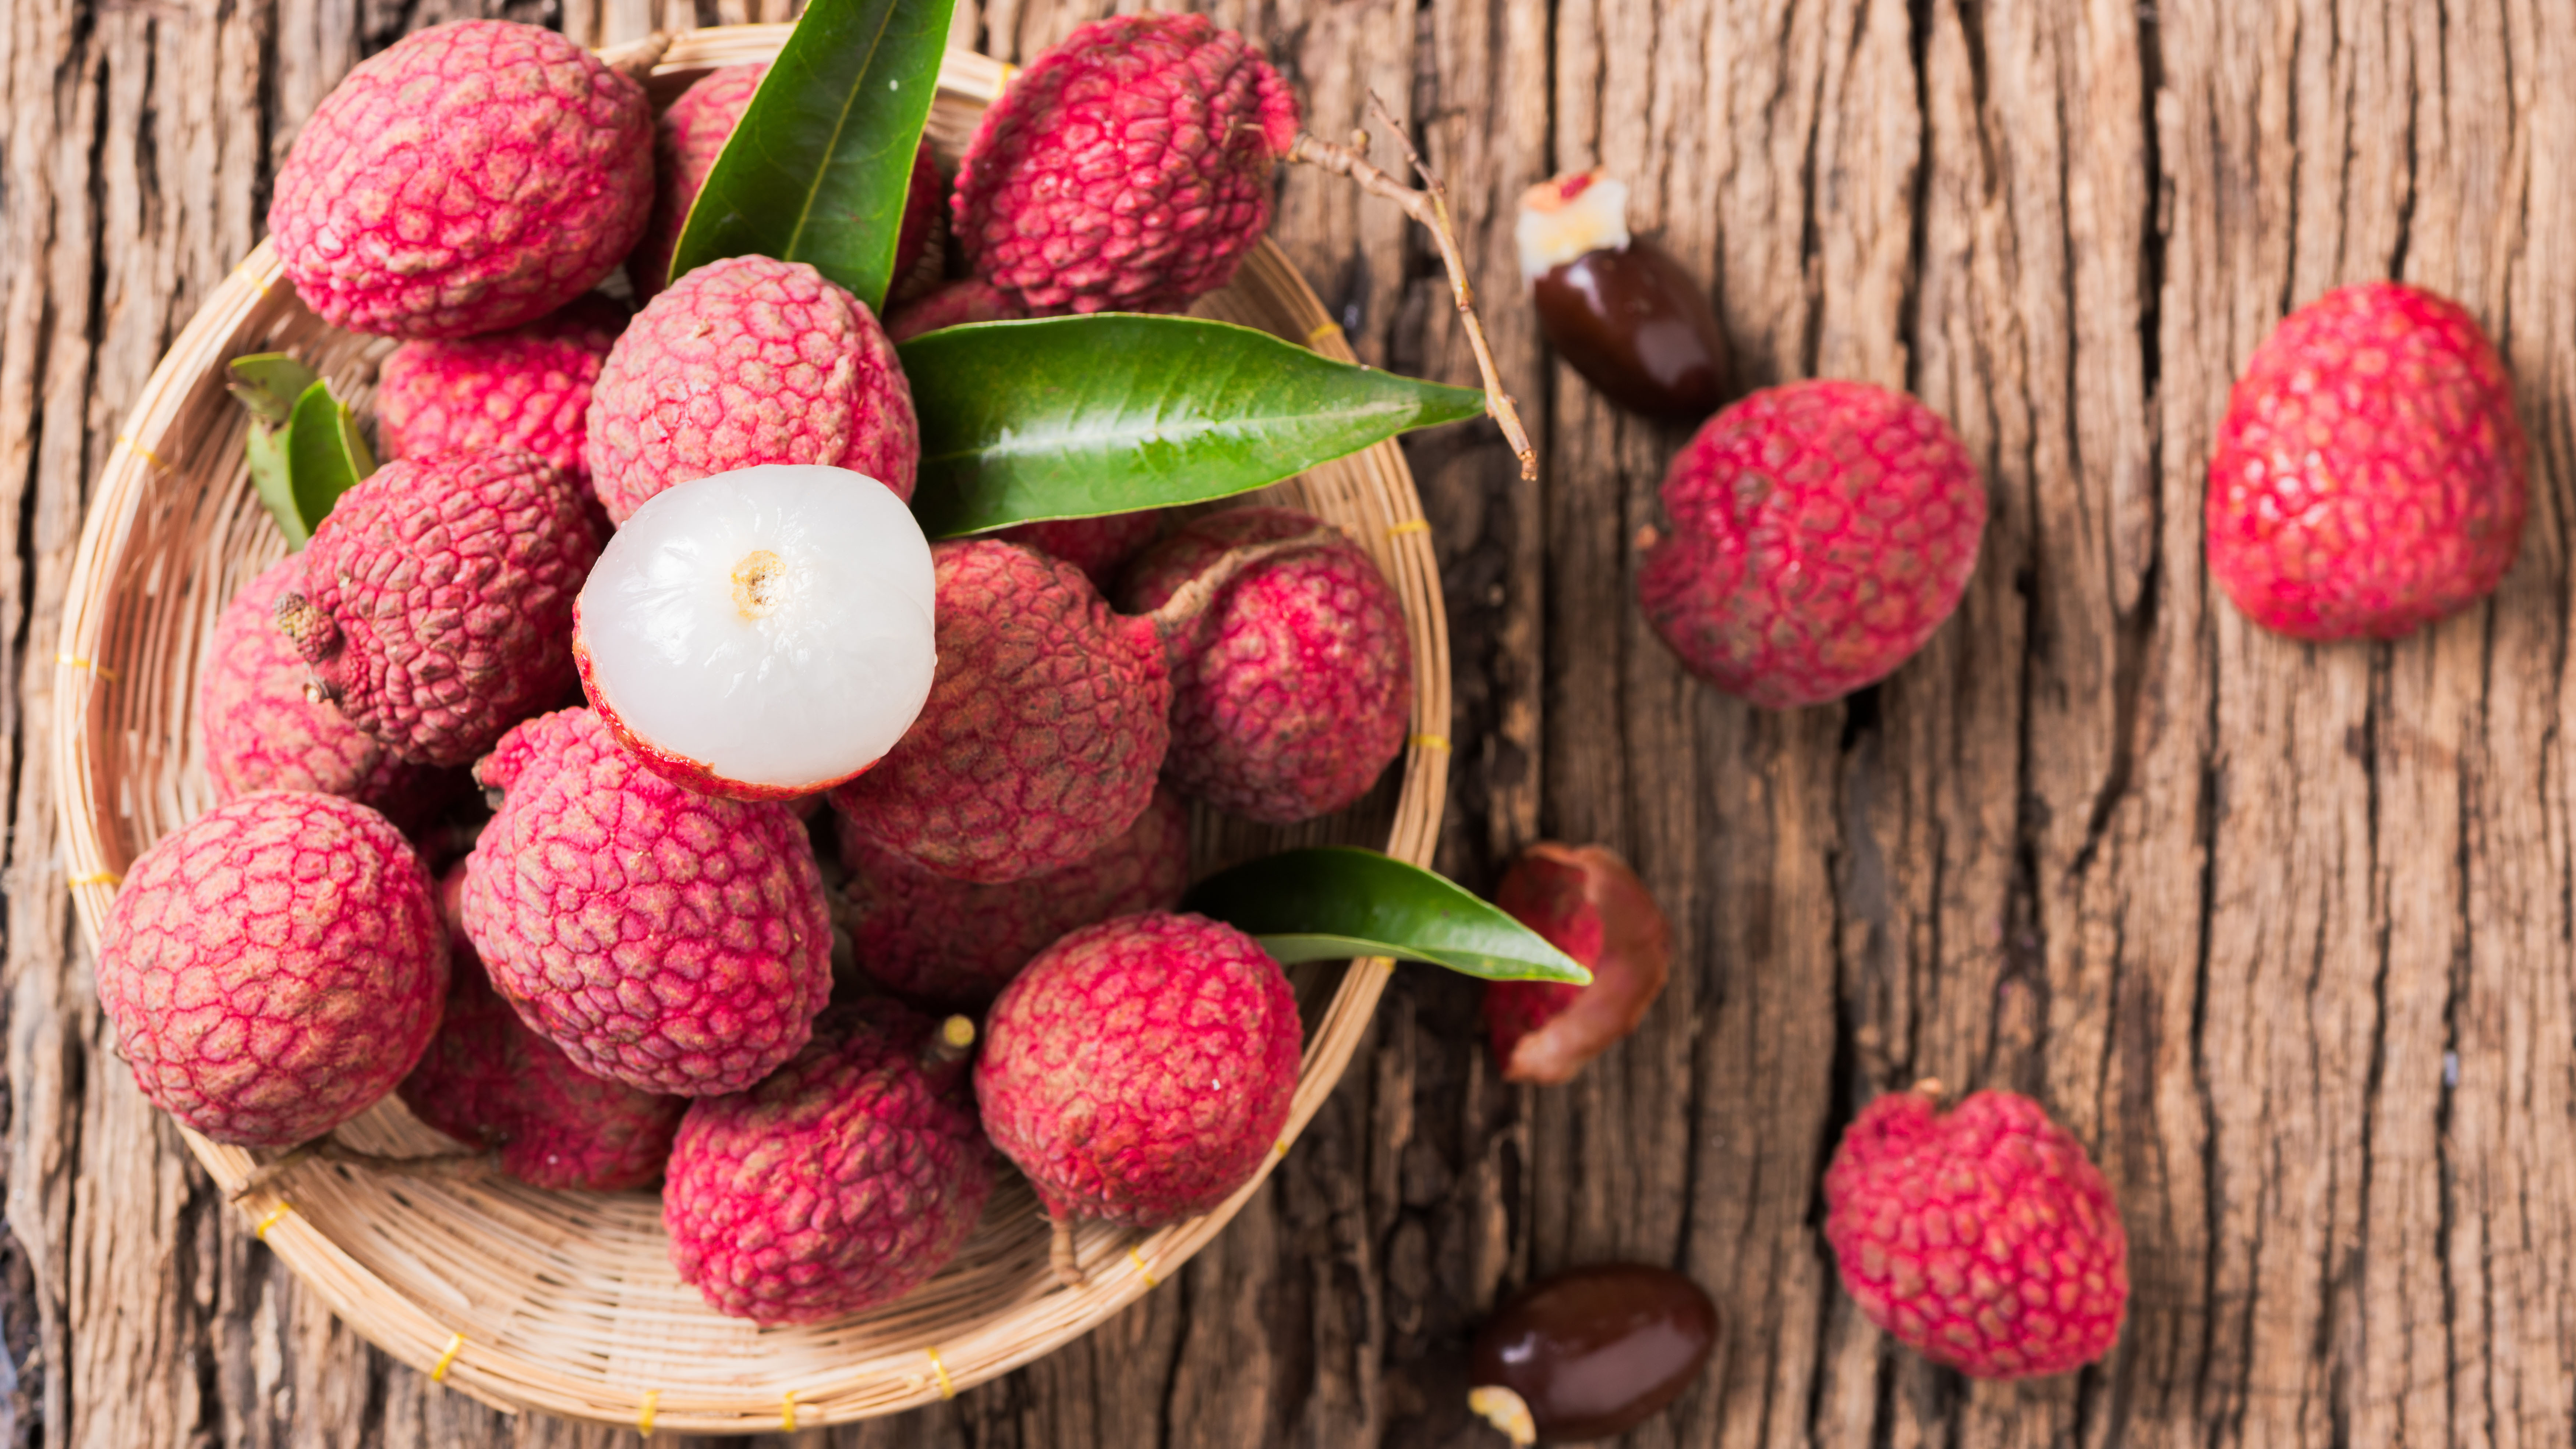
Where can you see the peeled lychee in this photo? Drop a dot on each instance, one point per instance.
(1099, 546)
(760, 634)
(468, 178)
(848, 1178)
(2370, 476)
(437, 602)
(1821, 531)
(954, 305)
(527, 388)
(743, 362)
(1291, 693)
(1126, 169)
(273, 967)
(673, 941)
(1587, 903)
(263, 731)
(952, 943)
(1141, 1069)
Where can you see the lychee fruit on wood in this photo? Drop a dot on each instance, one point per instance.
(468, 178)
(1821, 531)
(1127, 169)
(1587, 903)
(761, 634)
(263, 729)
(1100, 546)
(273, 967)
(673, 941)
(2370, 475)
(1981, 1237)
(528, 387)
(956, 944)
(742, 362)
(846, 1179)
(1291, 692)
(436, 610)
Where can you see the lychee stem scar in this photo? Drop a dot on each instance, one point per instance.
(759, 583)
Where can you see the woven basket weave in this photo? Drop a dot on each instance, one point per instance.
(566, 1301)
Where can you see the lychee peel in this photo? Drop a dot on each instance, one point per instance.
(1587, 903)
(1126, 169)
(1140, 1070)
(843, 1181)
(742, 362)
(437, 602)
(470, 177)
(272, 968)
(528, 387)
(1099, 546)
(676, 942)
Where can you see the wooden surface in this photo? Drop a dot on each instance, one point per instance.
(2284, 933)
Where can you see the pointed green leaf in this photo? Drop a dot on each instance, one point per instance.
(325, 457)
(268, 383)
(266, 448)
(818, 168)
(1066, 417)
(1334, 901)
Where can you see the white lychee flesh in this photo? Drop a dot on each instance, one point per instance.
(769, 627)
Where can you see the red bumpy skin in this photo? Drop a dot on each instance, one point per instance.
(273, 967)
(1100, 546)
(1127, 169)
(1045, 725)
(1291, 692)
(1141, 1069)
(527, 388)
(1587, 903)
(471, 177)
(673, 941)
(847, 1179)
(954, 305)
(954, 944)
(437, 607)
(742, 362)
(2370, 476)
(261, 731)
(1821, 531)
(1982, 1238)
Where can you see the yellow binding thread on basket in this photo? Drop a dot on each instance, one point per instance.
(93, 666)
(1410, 525)
(644, 1416)
(261, 1232)
(787, 1411)
(1142, 1271)
(142, 452)
(1329, 329)
(455, 1346)
(97, 877)
(1430, 742)
(947, 1390)
(250, 274)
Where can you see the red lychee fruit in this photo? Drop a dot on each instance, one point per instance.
(954, 305)
(847, 1179)
(1141, 1069)
(262, 730)
(470, 177)
(2370, 476)
(1982, 1238)
(1127, 169)
(742, 362)
(1291, 693)
(1099, 546)
(1821, 531)
(527, 388)
(1587, 903)
(676, 942)
(955, 944)
(273, 967)
(437, 602)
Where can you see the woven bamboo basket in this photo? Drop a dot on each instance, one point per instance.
(562, 1301)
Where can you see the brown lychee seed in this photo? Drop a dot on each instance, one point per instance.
(1587, 903)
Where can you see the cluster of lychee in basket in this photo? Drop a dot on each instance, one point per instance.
(826, 782)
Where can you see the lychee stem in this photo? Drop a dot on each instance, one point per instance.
(1429, 206)
(1504, 1410)
(949, 1044)
(1194, 597)
(1060, 1253)
(636, 58)
(311, 630)
(462, 1166)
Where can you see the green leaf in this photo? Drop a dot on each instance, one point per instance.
(1334, 901)
(818, 168)
(325, 457)
(1066, 417)
(266, 447)
(268, 383)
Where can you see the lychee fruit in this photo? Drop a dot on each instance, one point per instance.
(1821, 531)
(747, 361)
(436, 610)
(847, 1179)
(469, 177)
(1291, 693)
(527, 388)
(2370, 476)
(954, 305)
(673, 941)
(761, 634)
(1982, 1238)
(1098, 546)
(955, 944)
(1587, 903)
(1141, 1069)
(1126, 169)
(262, 730)
(273, 967)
